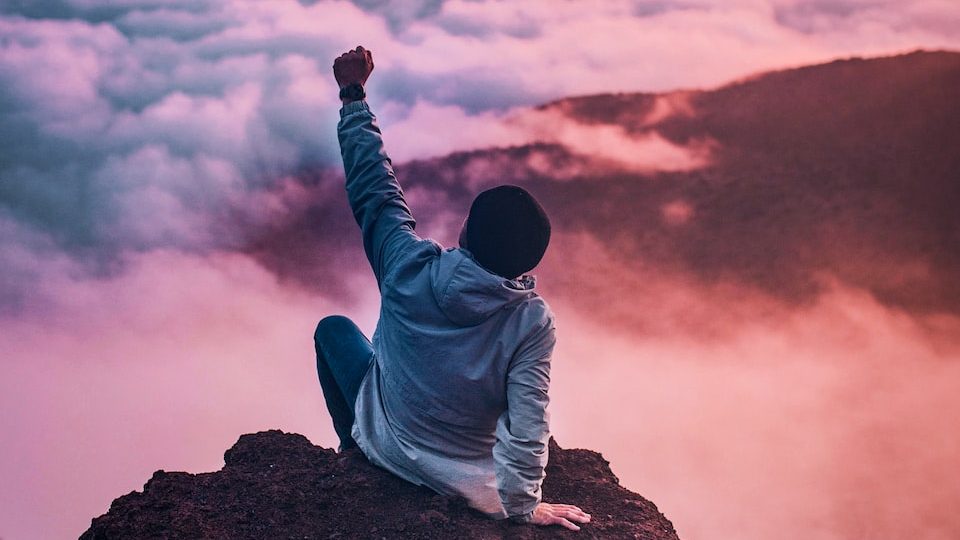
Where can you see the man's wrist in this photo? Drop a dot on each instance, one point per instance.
(523, 518)
(352, 92)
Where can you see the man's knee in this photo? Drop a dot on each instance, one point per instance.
(331, 325)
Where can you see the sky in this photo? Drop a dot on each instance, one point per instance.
(151, 149)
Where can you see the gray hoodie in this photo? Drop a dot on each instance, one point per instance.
(455, 398)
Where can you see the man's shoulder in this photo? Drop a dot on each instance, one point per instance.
(410, 263)
(537, 305)
(419, 251)
(537, 317)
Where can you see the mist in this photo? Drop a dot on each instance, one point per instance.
(830, 421)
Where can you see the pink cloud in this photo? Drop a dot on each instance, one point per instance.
(640, 152)
(426, 130)
(162, 367)
(765, 421)
(735, 412)
(676, 212)
(615, 49)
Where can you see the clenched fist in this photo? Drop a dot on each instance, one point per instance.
(353, 67)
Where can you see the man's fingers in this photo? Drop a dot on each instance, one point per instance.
(356, 55)
(579, 512)
(568, 524)
(574, 514)
(582, 517)
(574, 511)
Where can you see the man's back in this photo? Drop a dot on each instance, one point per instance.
(448, 332)
(453, 344)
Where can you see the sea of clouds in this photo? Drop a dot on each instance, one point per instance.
(147, 145)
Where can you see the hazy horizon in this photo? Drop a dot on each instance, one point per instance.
(762, 335)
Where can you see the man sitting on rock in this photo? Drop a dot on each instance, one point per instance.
(452, 392)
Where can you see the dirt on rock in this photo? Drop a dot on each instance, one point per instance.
(278, 485)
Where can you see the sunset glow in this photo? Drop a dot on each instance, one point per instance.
(756, 289)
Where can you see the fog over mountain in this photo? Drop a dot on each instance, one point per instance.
(838, 173)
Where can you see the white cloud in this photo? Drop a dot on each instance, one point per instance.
(427, 130)
(641, 152)
(249, 82)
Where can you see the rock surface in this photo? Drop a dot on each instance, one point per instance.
(279, 485)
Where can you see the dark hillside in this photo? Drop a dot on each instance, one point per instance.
(849, 170)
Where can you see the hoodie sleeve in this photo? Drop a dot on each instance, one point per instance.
(523, 430)
(373, 191)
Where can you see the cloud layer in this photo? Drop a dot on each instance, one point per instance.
(129, 122)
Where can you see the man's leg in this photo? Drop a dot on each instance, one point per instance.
(343, 357)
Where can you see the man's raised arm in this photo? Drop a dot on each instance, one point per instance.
(372, 187)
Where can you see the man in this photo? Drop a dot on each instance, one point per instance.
(452, 392)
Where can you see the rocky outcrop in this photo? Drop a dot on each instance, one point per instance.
(279, 485)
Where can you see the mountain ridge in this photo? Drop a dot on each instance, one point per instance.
(842, 172)
(752, 77)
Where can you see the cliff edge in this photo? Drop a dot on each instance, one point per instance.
(279, 485)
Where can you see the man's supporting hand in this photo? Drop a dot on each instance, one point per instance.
(559, 514)
(353, 67)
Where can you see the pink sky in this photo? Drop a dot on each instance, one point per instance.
(138, 334)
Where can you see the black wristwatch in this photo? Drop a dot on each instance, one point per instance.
(353, 92)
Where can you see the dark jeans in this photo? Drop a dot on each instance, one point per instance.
(343, 357)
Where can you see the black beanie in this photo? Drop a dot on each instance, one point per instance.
(507, 230)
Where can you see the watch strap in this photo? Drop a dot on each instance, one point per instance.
(353, 91)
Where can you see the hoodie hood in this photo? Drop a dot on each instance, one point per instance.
(468, 293)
